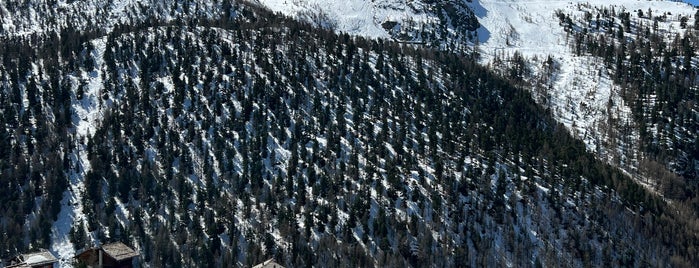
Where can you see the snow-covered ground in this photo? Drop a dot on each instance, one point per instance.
(533, 28)
(582, 96)
(357, 17)
(87, 114)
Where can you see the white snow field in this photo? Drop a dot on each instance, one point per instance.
(356, 17)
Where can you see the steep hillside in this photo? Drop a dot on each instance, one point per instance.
(610, 73)
(532, 46)
(224, 141)
(449, 25)
(657, 75)
(44, 17)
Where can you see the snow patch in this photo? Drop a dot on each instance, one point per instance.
(87, 114)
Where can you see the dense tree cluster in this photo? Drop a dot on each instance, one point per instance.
(35, 115)
(225, 141)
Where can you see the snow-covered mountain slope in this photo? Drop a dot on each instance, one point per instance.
(533, 28)
(45, 17)
(208, 135)
(231, 141)
(354, 17)
(88, 112)
(579, 90)
(438, 23)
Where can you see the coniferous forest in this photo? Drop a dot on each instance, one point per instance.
(654, 68)
(227, 135)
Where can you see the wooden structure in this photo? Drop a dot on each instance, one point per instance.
(268, 264)
(114, 255)
(41, 259)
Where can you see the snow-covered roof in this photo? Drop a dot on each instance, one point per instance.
(119, 251)
(42, 257)
(268, 264)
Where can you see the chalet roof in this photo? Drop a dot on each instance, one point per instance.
(42, 257)
(268, 264)
(119, 251)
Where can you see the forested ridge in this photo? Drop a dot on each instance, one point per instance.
(228, 140)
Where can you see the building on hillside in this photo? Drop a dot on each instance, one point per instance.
(268, 264)
(41, 259)
(114, 255)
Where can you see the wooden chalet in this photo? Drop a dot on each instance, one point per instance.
(114, 255)
(41, 259)
(271, 263)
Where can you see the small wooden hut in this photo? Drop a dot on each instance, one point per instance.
(113, 255)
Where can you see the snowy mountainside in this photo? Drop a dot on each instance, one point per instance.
(45, 17)
(579, 89)
(226, 137)
(651, 56)
(325, 151)
(439, 23)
